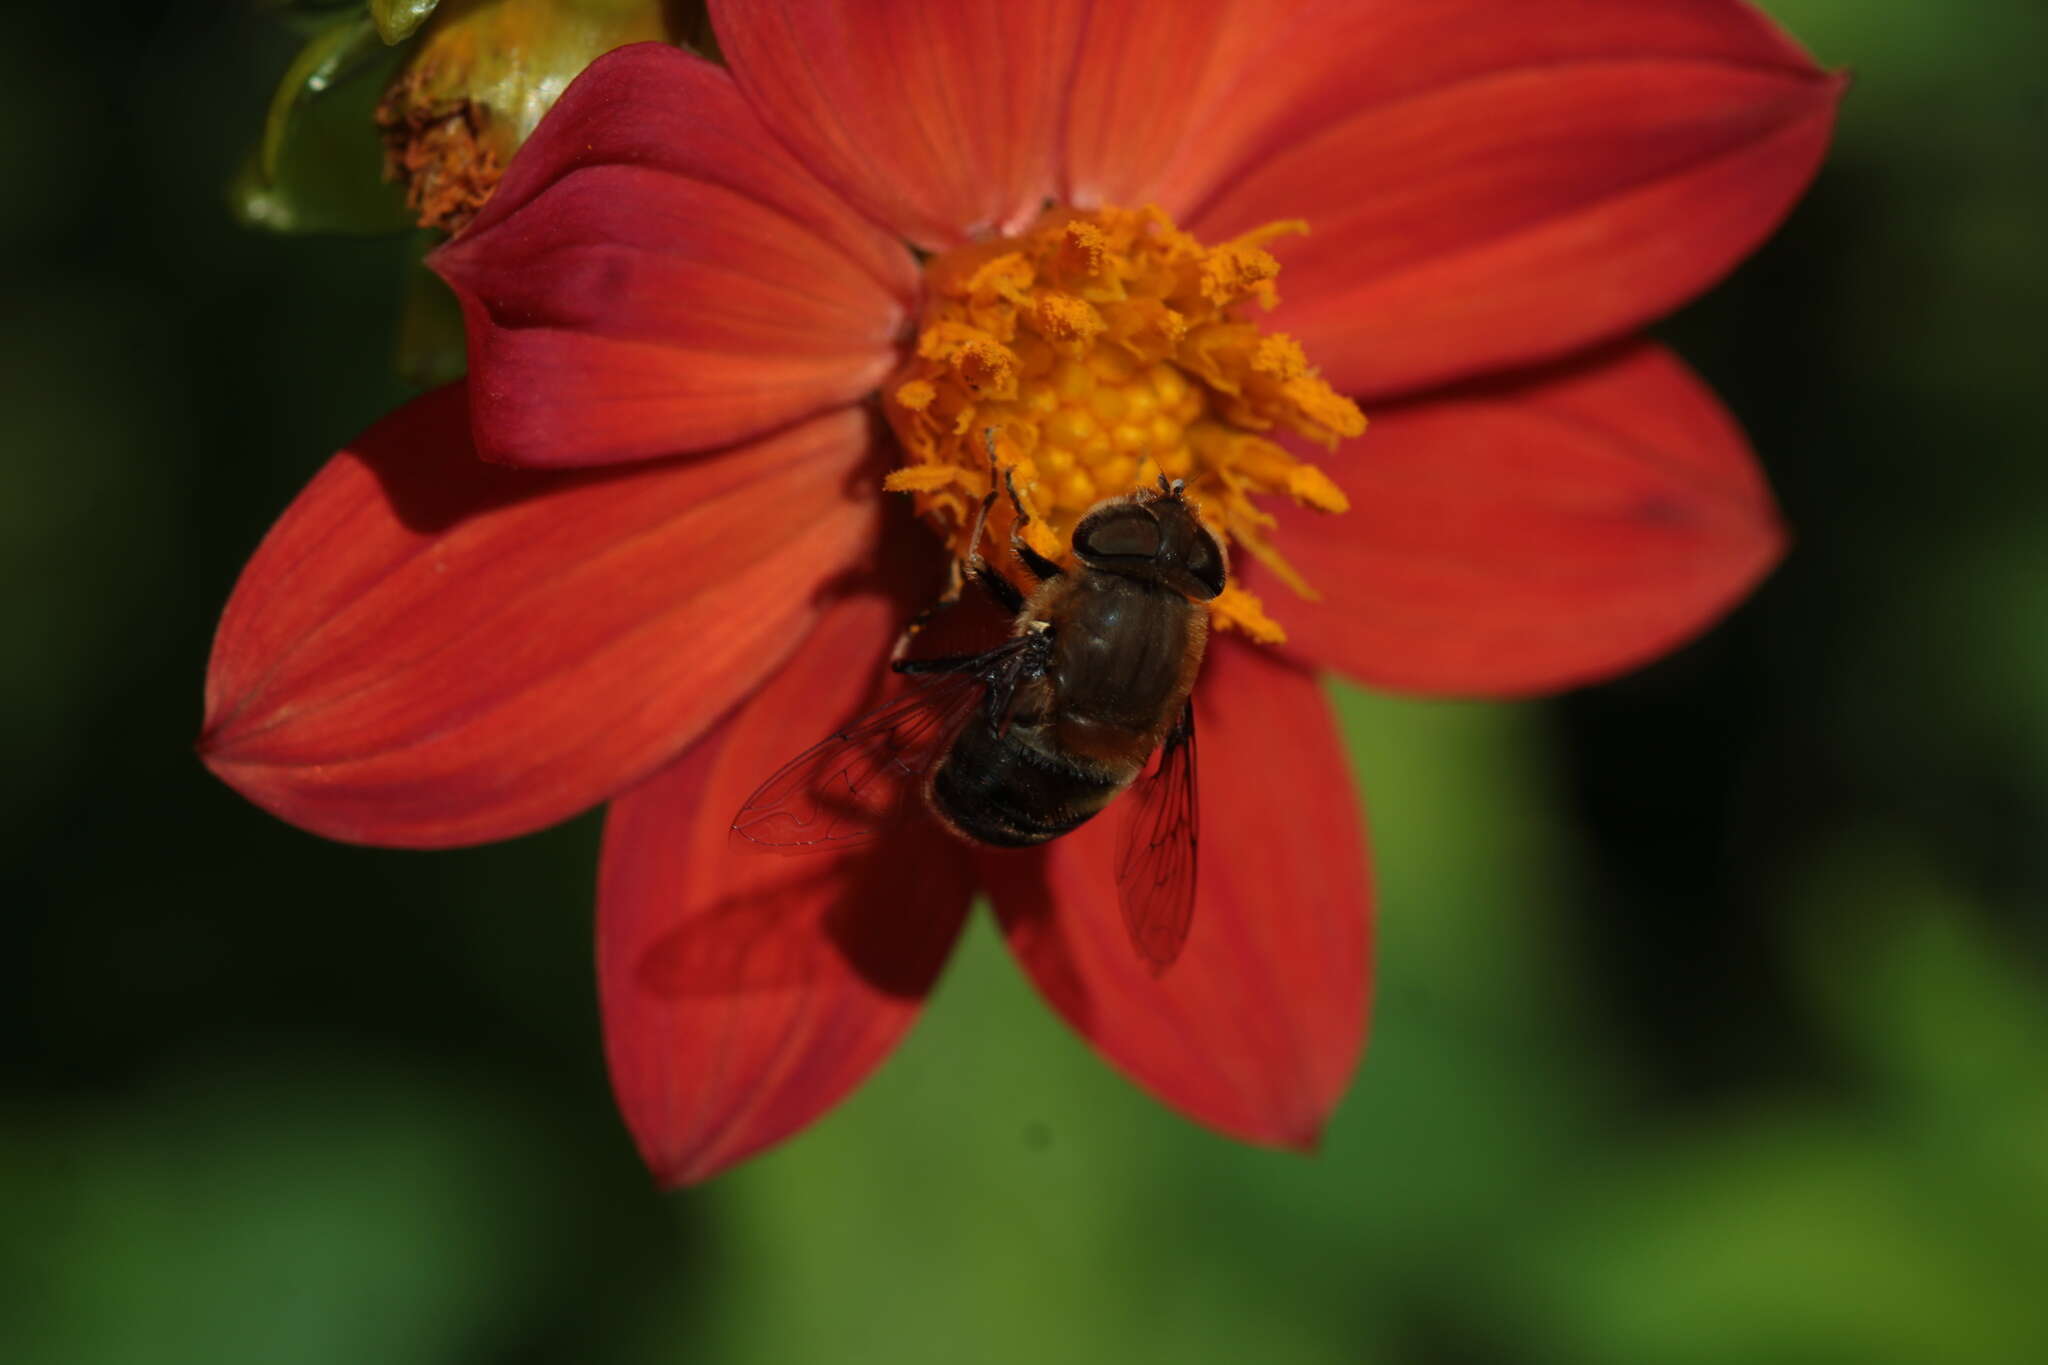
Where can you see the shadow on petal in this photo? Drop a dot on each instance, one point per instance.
(1029, 910)
(744, 995)
(831, 915)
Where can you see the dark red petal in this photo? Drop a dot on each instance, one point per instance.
(1256, 1029)
(657, 275)
(1532, 534)
(1492, 183)
(745, 994)
(430, 650)
(938, 117)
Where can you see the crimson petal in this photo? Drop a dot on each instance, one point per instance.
(1532, 534)
(938, 117)
(1492, 183)
(657, 275)
(1255, 1030)
(429, 650)
(745, 994)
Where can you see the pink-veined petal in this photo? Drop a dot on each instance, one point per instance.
(1256, 1029)
(656, 275)
(430, 650)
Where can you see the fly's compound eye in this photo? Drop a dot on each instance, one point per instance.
(1205, 562)
(1128, 535)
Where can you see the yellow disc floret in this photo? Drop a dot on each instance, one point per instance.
(1103, 350)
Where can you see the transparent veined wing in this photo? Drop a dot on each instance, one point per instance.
(1155, 849)
(851, 786)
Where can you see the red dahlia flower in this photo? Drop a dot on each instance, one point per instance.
(711, 306)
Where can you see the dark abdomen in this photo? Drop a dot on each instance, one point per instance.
(1003, 790)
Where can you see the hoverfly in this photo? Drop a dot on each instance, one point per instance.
(1019, 744)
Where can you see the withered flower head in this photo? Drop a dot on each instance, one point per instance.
(482, 74)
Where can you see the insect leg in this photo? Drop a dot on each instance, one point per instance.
(1034, 650)
(1041, 568)
(1000, 588)
(979, 569)
(944, 663)
(955, 582)
(958, 571)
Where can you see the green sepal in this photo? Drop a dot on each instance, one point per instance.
(396, 19)
(319, 166)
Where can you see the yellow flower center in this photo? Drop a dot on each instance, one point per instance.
(1103, 350)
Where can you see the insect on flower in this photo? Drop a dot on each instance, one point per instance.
(1019, 744)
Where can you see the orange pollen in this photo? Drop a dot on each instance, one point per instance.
(1103, 350)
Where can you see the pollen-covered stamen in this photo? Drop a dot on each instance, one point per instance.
(1105, 349)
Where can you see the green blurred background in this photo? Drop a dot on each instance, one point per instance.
(1711, 1021)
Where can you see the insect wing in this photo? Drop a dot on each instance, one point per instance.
(850, 787)
(1155, 850)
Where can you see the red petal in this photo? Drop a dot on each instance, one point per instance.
(1491, 182)
(745, 994)
(656, 275)
(1534, 534)
(1256, 1029)
(430, 650)
(936, 116)
(1127, 116)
